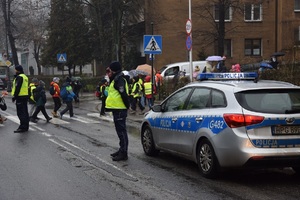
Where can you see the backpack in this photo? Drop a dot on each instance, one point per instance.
(64, 92)
(52, 90)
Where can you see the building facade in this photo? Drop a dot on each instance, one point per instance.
(254, 29)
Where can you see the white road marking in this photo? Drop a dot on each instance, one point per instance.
(97, 115)
(100, 159)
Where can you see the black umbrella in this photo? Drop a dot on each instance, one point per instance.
(276, 54)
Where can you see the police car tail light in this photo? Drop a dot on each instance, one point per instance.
(238, 120)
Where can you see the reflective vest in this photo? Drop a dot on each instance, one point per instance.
(148, 88)
(139, 92)
(24, 87)
(114, 99)
(32, 86)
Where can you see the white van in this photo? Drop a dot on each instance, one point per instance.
(168, 71)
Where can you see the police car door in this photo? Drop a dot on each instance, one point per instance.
(167, 133)
(191, 119)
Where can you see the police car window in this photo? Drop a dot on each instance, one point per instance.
(177, 101)
(199, 99)
(218, 99)
(270, 101)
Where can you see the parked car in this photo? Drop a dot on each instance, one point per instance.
(168, 71)
(228, 122)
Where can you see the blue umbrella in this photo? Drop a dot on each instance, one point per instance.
(265, 65)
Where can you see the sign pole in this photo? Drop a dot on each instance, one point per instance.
(190, 52)
(152, 70)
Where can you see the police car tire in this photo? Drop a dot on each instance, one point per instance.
(148, 142)
(208, 167)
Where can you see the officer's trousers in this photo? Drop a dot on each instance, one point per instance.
(22, 112)
(120, 126)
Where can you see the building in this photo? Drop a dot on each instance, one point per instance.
(254, 29)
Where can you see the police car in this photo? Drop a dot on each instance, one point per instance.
(233, 120)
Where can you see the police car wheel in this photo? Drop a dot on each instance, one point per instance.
(148, 142)
(206, 159)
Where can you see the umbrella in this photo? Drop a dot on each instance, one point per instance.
(125, 72)
(135, 72)
(265, 65)
(214, 58)
(277, 54)
(146, 68)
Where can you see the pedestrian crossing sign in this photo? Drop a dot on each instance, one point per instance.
(152, 44)
(62, 58)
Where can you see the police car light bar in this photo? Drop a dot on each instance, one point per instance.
(228, 76)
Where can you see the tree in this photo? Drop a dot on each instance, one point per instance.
(33, 24)
(111, 23)
(6, 6)
(214, 13)
(68, 33)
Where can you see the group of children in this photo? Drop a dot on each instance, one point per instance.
(140, 93)
(37, 98)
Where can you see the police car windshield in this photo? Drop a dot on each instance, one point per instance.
(279, 101)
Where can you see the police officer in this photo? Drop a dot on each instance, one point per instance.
(20, 96)
(118, 103)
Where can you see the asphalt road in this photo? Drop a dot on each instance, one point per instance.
(69, 159)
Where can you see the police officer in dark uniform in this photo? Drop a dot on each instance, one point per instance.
(20, 96)
(118, 103)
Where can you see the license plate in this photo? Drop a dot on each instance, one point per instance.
(286, 130)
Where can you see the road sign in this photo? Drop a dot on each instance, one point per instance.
(152, 44)
(62, 58)
(188, 26)
(8, 63)
(188, 42)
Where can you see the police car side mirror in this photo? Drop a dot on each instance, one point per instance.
(157, 108)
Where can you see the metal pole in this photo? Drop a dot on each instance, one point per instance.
(8, 87)
(190, 52)
(152, 69)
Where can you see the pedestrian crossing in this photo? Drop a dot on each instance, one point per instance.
(91, 118)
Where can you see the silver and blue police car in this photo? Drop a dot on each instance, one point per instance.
(231, 121)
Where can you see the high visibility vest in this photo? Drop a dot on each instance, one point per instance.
(139, 92)
(114, 99)
(148, 88)
(24, 87)
(32, 86)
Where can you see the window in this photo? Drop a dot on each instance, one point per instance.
(227, 47)
(297, 6)
(253, 12)
(199, 99)
(218, 99)
(284, 101)
(228, 13)
(252, 47)
(172, 71)
(177, 101)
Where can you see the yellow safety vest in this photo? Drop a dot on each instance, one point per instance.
(114, 99)
(24, 87)
(32, 86)
(148, 88)
(139, 93)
